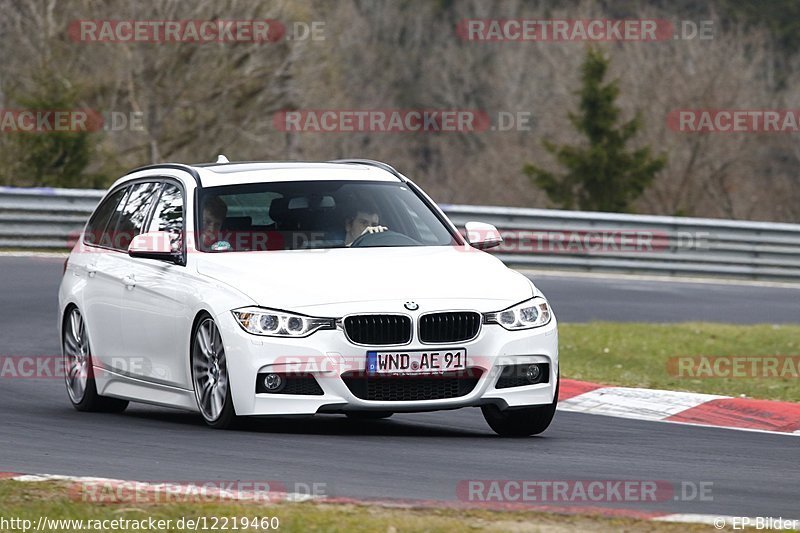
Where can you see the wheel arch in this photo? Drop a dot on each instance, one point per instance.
(64, 313)
(198, 317)
(62, 324)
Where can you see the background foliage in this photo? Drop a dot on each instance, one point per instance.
(201, 100)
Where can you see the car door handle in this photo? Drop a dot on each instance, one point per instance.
(91, 270)
(129, 281)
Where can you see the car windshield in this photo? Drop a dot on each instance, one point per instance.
(316, 214)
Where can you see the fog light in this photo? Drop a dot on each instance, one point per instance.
(273, 382)
(532, 373)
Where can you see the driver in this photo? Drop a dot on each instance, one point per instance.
(363, 218)
(215, 210)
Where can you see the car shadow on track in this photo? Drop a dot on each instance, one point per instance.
(331, 425)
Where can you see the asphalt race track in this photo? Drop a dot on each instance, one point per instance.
(417, 456)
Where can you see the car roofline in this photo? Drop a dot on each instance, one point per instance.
(373, 163)
(192, 169)
(231, 163)
(170, 166)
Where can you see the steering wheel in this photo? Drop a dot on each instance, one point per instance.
(384, 238)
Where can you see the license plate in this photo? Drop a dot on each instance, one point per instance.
(416, 362)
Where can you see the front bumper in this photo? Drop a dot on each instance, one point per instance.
(327, 355)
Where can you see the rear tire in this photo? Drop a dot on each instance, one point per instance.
(79, 371)
(522, 422)
(212, 388)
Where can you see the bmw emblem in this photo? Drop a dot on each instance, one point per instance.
(411, 306)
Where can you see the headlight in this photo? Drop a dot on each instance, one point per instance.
(272, 323)
(526, 315)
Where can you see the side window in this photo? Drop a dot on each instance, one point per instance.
(97, 224)
(132, 216)
(168, 215)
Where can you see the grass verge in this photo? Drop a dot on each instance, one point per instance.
(53, 500)
(638, 355)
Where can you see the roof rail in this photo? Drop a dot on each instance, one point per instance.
(171, 166)
(371, 162)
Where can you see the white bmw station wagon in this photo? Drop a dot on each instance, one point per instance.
(267, 288)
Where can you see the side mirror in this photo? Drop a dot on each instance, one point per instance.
(160, 245)
(482, 236)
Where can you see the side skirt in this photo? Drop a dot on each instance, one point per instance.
(136, 390)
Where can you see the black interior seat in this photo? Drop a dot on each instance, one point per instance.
(237, 224)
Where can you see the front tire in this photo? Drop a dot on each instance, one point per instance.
(522, 422)
(210, 376)
(78, 369)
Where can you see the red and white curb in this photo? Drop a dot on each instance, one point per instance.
(274, 497)
(680, 407)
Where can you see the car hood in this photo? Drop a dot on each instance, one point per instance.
(299, 279)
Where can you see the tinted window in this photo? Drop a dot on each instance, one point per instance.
(168, 214)
(109, 233)
(133, 215)
(316, 214)
(99, 221)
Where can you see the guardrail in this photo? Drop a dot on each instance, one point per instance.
(43, 218)
(534, 238)
(589, 241)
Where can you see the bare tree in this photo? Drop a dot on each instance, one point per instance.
(198, 100)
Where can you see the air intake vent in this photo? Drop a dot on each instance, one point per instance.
(455, 326)
(378, 330)
(412, 388)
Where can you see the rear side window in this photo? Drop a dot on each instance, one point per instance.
(99, 221)
(133, 215)
(168, 214)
